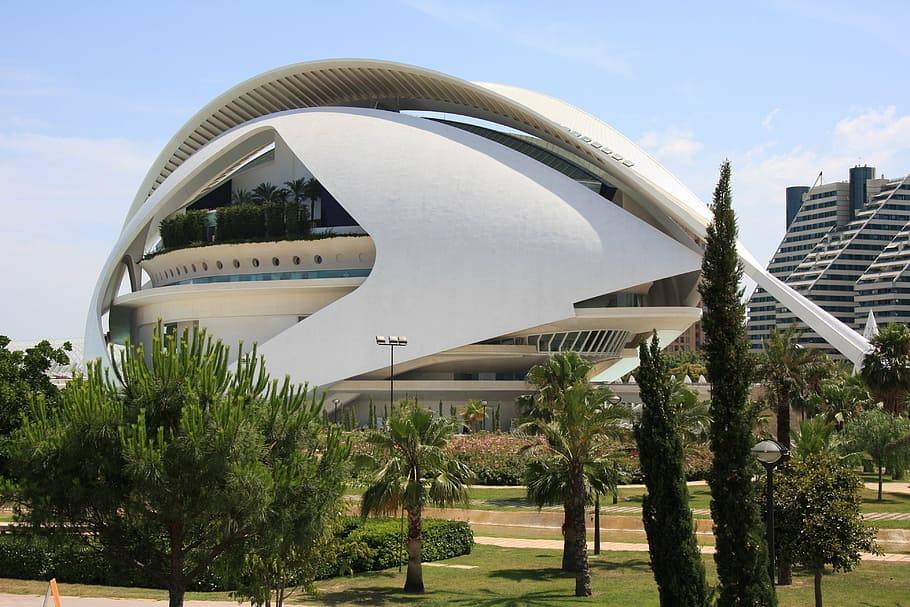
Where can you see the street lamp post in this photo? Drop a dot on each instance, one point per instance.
(770, 453)
(392, 341)
(613, 400)
(335, 402)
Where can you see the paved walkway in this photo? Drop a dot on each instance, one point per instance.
(29, 600)
(509, 542)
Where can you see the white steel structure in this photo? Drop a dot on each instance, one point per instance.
(491, 225)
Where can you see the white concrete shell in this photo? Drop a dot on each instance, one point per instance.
(473, 240)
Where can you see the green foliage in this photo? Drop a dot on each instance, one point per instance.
(23, 376)
(886, 369)
(266, 193)
(741, 557)
(275, 225)
(413, 470)
(575, 418)
(841, 397)
(183, 229)
(494, 459)
(474, 414)
(817, 515)
(791, 375)
(882, 436)
(675, 559)
(179, 461)
(441, 539)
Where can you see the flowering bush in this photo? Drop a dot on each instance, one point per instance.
(494, 458)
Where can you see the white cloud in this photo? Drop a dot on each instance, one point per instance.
(874, 133)
(673, 146)
(63, 200)
(769, 119)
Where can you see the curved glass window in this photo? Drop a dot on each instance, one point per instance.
(264, 276)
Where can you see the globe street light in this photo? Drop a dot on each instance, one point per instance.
(770, 453)
(335, 402)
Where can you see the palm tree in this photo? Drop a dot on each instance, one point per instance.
(266, 192)
(297, 189)
(788, 372)
(886, 369)
(691, 413)
(415, 470)
(311, 191)
(580, 419)
(474, 413)
(550, 379)
(841, 398)
(241, 196)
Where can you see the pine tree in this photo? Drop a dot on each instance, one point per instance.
(675, 559)
(372, 419)
(741, 551)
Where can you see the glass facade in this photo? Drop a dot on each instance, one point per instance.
(265, 276)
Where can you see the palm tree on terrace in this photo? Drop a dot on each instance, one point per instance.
(241, 196)
(312, 191)
(414, 470)
(297, 189)
(266, 192)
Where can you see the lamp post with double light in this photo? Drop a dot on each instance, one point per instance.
(770, 453)
(392, 341)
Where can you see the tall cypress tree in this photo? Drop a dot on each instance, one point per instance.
(741, 551)
(675, 559)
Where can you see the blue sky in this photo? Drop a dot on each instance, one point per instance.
(90, 92)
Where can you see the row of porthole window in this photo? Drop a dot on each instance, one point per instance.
(176, 272)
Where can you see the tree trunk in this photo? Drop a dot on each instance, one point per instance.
(177, 583)
(818, 587)
(414, 580)
(879, 482)
(576, 522)
(784, 573)
(175, 591)
(568, 541)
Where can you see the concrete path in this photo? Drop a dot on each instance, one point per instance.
(508, 542)
(26, 600)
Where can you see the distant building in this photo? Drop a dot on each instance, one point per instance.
(690, 340)
(843, 250)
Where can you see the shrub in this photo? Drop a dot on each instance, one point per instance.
(359, 545)
(274, 219)
(194, 226)
(495, 459)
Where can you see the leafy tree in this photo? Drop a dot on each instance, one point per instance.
(309, 470)
(297, 189)
(169, 468)
(816, 436)
(817, 513)
(675, 558)
(881, 436)
(474, 414)
(266, 192)
(578, 420)
(24, 375)
(886, 369)
(741, 552)
(414, 470)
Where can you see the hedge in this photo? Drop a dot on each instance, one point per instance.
(359, 545)
(183, 229)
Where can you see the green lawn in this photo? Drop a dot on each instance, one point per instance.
(505, 577)
(532, 577)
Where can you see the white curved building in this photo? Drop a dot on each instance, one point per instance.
(489, 224)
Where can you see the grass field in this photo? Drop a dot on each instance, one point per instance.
(505, 577)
